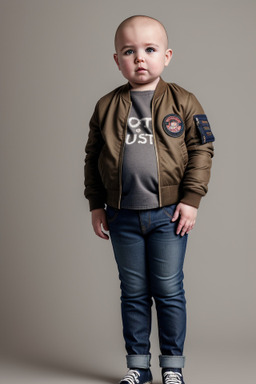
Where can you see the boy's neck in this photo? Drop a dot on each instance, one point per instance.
(145, 87)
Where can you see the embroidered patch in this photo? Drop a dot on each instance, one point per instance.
(173, 125)
(204, 128)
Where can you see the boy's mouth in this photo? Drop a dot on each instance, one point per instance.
(140, 69)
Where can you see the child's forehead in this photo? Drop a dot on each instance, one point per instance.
(145, 25)
(142, 29)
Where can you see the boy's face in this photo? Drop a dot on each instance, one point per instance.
(141, 52)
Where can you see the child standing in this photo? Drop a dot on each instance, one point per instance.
(148, 158)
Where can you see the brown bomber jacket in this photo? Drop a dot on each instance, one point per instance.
(183, 159)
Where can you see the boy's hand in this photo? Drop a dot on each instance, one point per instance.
(99, 220)
(187, 215)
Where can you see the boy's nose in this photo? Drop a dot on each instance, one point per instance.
(139, 59)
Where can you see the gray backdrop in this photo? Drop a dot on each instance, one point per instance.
(59, 288)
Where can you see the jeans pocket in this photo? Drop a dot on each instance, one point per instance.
(169, 210)
(112, 214)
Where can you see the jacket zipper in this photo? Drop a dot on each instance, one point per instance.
(157, 157)
(121, 159)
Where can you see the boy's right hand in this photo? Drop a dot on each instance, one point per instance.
(99, 221)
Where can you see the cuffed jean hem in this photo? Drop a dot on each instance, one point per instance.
(138, 361)
(167, 361)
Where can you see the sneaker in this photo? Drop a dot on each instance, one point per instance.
(172, 376)
(137, 376)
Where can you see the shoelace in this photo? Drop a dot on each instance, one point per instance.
(131, 377)
(172, 377)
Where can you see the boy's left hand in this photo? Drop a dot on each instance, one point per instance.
(187, 220)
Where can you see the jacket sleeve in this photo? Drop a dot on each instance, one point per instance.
(197, 173)
(94, 189)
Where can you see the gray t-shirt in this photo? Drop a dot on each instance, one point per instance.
(139, 176)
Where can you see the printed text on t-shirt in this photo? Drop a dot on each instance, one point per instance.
(137, 126)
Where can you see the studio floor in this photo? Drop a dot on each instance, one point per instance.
(222, 367)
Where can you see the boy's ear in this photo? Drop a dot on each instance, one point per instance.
(116, 60)
(168, 56)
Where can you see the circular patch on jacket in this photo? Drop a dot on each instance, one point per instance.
(173, 125)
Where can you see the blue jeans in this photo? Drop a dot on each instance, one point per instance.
(150, 259)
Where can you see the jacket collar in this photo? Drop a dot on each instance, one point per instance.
(160, 89)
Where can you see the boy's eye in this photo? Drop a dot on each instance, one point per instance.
(129, 52)
(150, 49)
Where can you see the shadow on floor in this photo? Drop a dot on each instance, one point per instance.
(58, 367)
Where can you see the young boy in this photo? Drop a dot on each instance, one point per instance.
(148, 158)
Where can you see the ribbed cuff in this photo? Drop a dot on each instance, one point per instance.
(166, 361)
(191, 198)
(138, 361)
(96, 204)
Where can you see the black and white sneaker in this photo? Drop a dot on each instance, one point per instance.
(170, 376)
(137, 376)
